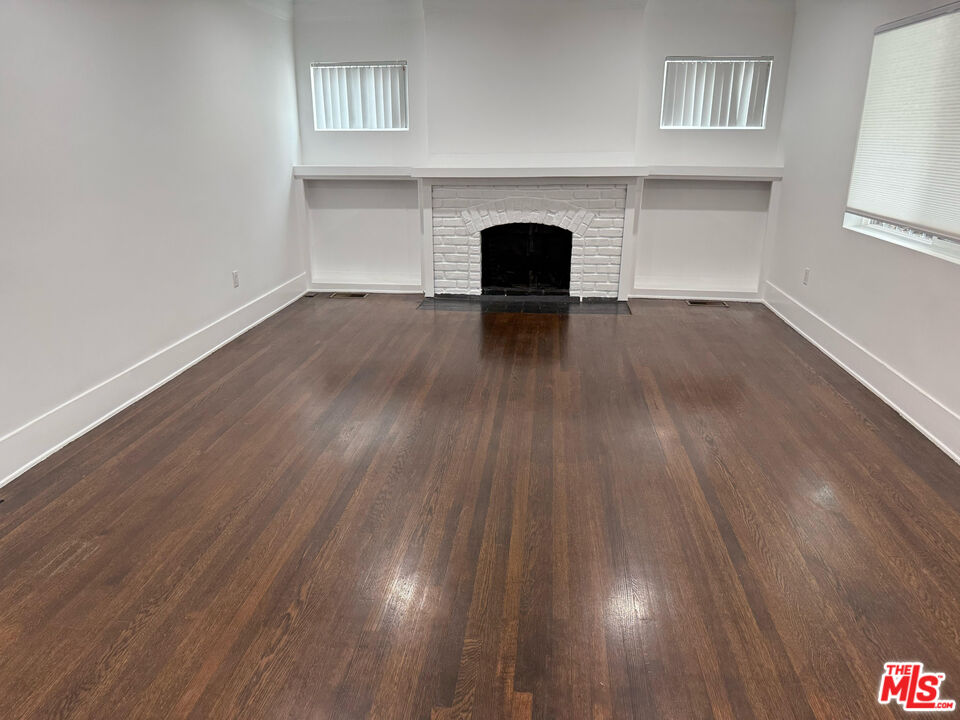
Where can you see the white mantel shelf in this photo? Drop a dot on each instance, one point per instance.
(655, 172)
(527, 172)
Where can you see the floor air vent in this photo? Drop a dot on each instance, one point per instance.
(347, 295)
(708, 303)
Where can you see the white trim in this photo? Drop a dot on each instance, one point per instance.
(735, 173)
(951, 7)
(360, 63)
(367, 287)
(942, 249)
(668, 294)
(716, 60)
(631, 237)
(325, 130)
(385, 63)
(426, 236)
(357, 172)
(36, 440)
(933, 419)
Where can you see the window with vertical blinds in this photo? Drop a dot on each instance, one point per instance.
(360, 96)
(715, 93)
(906, 172)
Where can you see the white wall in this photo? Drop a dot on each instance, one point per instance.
(364, 235)
(361, 30)
(539, 81)
(701, 237)
(533, 79)
(547, 82)
(145, 154)
(887, 312)
(708, 27)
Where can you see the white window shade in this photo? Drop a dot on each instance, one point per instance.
(715, 93)
(907, 166)
(360, 96)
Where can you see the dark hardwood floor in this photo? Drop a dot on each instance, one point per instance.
(361, 509)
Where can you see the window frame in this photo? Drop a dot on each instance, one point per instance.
(362, 63)
(924, 240)
(718, 59)
(896, 233)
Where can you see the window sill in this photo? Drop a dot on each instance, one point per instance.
(326, 130)
(943, 250)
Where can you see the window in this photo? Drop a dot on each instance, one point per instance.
(715, 93)
(905, 182)
(360, 96)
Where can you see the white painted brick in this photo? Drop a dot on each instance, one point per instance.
(600, 204)
(461, 211)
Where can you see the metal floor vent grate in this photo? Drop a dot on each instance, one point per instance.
(348, 295)
(708, 303)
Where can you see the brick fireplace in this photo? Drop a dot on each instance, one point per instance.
(593, 213)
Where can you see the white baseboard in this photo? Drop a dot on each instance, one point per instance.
(367, 287)
(33, 442)
(729, 295)
(936, 421)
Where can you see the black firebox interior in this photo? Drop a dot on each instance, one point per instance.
(525, 259)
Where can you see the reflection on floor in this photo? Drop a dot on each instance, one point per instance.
(537, 304)
(362, 510)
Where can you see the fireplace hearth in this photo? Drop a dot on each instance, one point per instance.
(525, 259)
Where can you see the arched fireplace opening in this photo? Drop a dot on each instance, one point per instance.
(525, 259)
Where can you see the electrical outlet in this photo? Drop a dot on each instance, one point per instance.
(806, 276)
(236, 278)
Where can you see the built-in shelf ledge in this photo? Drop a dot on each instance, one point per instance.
(352, 172)
(708, 172)
(665, 172)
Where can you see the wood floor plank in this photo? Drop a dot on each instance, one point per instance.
(362, 509)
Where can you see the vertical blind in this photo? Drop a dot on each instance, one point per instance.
(907, 165)
(715, 92)
(360, 96)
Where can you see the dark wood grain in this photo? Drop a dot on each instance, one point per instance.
(361, 509)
